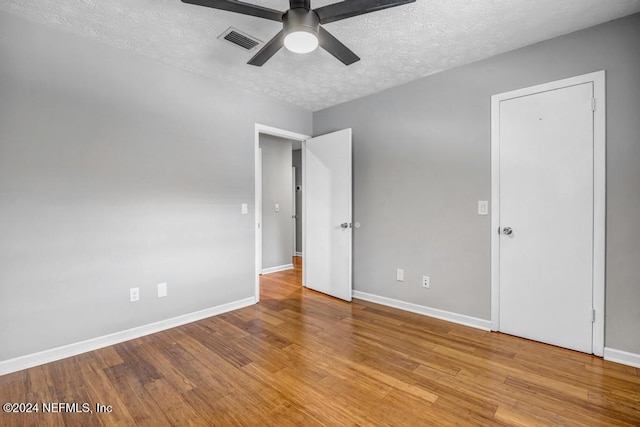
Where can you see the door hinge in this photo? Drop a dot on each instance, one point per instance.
(593, 316)
(593, 104)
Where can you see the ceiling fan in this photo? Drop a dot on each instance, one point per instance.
(302, 26)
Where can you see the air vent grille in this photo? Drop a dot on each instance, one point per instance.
(238, 38)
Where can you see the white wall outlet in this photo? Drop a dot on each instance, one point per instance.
(162, 290)
(400, 275)
(483, 207)
(134, 294)
(244, 209)
(276, 207)
(426, 282)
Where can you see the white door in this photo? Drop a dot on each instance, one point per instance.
(327, 207)
(546, 210)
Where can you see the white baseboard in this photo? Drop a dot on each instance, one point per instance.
(277, 268)
(35, 359)
(298, 253)
(461, 319)
(623, 357)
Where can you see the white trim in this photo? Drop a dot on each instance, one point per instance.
(298, 254)
(599, 202)
(303, 162)
(599, 209)
(293, 209)
(461, 319)
(277, 268)
(495, 214)
(268, 130)
(47, 356)
(623, 357)
(258, 218)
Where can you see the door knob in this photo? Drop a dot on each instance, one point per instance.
(507, 230)
(344, 225)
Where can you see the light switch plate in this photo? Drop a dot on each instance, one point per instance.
(245, 209)
(483, 207)
(276, 207)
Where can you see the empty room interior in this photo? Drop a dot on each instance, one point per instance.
(367, 212)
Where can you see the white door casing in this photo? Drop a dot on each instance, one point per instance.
(259, 211)
(548, 187)
(327, 214)
(294, 219)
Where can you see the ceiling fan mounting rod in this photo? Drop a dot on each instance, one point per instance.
(303, 4)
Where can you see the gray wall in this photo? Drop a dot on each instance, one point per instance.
(422, 160)
(297, 162)
(277, 227)
(118, 172)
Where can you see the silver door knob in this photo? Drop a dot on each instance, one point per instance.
(344, 225)
(507, 230)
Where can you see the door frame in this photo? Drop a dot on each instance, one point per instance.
(294, 216)
(281, 133)
(599, 196)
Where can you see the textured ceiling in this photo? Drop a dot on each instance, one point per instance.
(396, 45)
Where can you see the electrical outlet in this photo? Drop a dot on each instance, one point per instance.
(426, 282)
(400, 275)
(162, 290)
(134, 294)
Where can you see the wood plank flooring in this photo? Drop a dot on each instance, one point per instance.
(300, 358)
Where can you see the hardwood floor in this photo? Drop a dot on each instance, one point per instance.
(302, 358)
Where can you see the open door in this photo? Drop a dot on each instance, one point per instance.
(327, 214)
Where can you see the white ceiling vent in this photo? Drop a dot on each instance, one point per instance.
(240, 39)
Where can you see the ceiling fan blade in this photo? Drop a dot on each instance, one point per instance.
(336, 48)
(347, 9)
(268, 50)
(239, 7)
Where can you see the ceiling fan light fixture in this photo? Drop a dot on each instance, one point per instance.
(301, 28)
(301, 42)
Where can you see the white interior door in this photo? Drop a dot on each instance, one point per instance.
(546, 209)
(327, 214)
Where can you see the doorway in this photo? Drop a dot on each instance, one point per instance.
(548, 194)
(273, 206)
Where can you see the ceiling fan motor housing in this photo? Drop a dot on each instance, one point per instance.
(301, 19)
